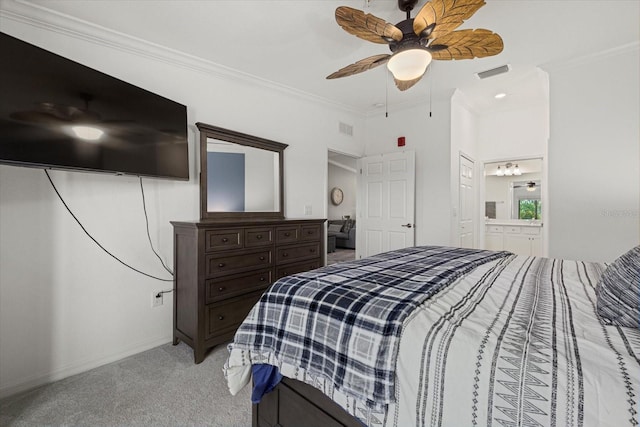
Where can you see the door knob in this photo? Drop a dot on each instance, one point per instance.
(408, 225)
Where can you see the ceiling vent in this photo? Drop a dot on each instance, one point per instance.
(345, 129)
(493, 72)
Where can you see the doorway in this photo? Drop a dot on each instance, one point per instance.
(515, 206)
(341, 207)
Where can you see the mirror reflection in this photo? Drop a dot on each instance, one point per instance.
(242, 178)
(512, 190)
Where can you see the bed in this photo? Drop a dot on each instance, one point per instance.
(436, 336)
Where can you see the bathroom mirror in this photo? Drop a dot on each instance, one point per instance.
(513, 190)
(241, 176)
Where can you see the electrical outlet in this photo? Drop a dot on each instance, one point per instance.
(156, 299)
(308, 209)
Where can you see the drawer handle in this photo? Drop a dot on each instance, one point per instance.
(259, 236)
(285, 254)
(312, 250)
(287, 234)
(309, 232)
(221, 289)
(262, 279)
(220, 317)
(261, 258)
(221, 265)
(225, 240)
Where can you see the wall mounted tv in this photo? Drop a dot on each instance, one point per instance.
(57, 113)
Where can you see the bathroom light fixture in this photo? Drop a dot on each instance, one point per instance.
(509, 169)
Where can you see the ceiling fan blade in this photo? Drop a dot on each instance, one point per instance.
(47, 112)
(367, 26)
(447, 15)
(406, 84)
(36, 117)
(467, 44)
(360, 66)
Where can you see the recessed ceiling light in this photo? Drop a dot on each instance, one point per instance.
(500, 95)
(378, 104)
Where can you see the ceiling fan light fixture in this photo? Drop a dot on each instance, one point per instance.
(409, 64)
(89, 133)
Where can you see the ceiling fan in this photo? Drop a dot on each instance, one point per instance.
(414, 42)
(530, 186)
(84, 122)
(49, 112)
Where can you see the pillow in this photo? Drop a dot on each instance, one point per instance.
(618, 291)
(348, 225)
(334, 228)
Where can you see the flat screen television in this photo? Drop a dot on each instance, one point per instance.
(57, 113)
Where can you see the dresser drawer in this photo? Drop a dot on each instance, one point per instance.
(289, 234)
(289, 269)
(295, 253)
(219, 240)
(512, 230)
(218, 265)
(310, 232)
(494, 229)
(258, 237)
(226, 316)
(219, 289)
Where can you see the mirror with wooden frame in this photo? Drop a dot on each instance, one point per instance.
(241, 176)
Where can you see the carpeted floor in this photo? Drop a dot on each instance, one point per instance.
(159, 387)
(340, 255)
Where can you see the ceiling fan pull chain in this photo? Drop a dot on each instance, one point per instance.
(430, 71)
(386, 94)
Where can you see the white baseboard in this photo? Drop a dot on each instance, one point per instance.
(40, 379)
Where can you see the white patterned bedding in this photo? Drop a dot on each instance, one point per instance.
(515, 342)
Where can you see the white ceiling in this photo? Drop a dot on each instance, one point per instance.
(297, 43)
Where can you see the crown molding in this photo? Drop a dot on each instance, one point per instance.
(40, 17)
(340, 165)
(563, 64)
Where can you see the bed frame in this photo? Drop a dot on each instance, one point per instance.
(294, 403)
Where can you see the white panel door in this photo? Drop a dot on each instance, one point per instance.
(386, 212)
(466, 195)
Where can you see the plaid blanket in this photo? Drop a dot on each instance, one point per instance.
(343, 322)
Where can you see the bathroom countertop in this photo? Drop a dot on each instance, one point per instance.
(518, 222)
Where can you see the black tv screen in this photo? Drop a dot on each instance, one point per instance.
(57, 113)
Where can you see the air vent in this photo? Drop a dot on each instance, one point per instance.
(345, 129)
(493, 72)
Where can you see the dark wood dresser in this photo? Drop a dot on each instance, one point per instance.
(221, 268)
